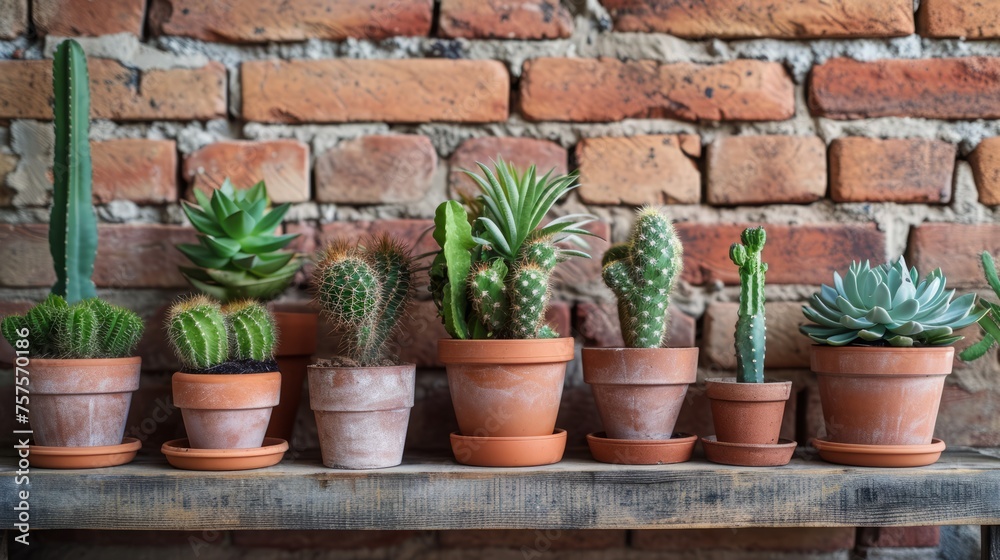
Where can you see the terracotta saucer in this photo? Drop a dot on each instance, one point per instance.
(527, 451)
(183, 457)
(83, 457)
(677, 449)
(860, 455)
(748, 454)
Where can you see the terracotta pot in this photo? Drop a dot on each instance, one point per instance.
(747, 412)
(506, 388)
(362, 414)
(639, 391)
(226, 411)
(878, 395)
(81, 403)
(296, 345)
(530, 451)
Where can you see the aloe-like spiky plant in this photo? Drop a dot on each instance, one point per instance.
(988, 322)
(642, 273)
(238, 255)
(888, 305)
(364, 289)
(751, 332)
(491, 278)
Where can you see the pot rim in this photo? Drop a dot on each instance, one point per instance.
(856, 361)
(223, 381)
(219, 377)
(406, 365)
(559, 433)
(729, 389)
(640, 367)
(77, 362)
(516, 351)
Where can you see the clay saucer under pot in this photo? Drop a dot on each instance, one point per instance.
(510, 451)
(861, 455)
(748, 454)
(677, 449)
(183, 457)
(95, 457)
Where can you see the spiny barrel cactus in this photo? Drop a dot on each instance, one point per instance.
(197, 330)
(751, 332)
(364, 289)
(888, 305)
(642, 273)
(238, 256)
(990, 314)
(251, 330)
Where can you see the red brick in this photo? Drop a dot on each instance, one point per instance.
(416, 233)
(71, 18)
(907, 537)
(282, 164)
(143, 171)
(955, 248)
(260, 21)
(797, 539)
(537, 541)
(766, 170)
(786, 346)
(128, 256)
(15, 20)
(336, 540)
(522, 152)
(419, 90)
(985, 162)
(800, 254)
(419, 333)
(804, 19)
(579, 275)
(939, 88)
(557, 315)
(969, 418)
(607, 89)
(376, 169)
(959, 18)
(115, 92)
(637, 170)
(894, 170)
(599, 325)
(505, 19)
(8, 163)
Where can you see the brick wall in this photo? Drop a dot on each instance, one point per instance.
(851, 128)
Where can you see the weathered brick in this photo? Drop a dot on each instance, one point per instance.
(938, 88)
(635, 170)
(15, 19)
(955, 248)
(959, 18)
(766, 170)
(260, 21)
(418, 90)
(893, 170)
(722, 19)
(415, 233)
(786, 346)
(985, 162)
(598, 324)
(8, 163)
(908, 537)
(521, 152)
(143, 171)
(376, 169)
(607, 89)
(537, 540)
(282, 164)
(800, 254)
(128, 256)
(115, 92)
(579, 275)
(504, 19)
(557, 315)
(969, 418)
(330, 539)
(418, 335)
(799, 539)
(71, 18)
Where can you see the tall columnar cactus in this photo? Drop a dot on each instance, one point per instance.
(197, 330)
(90, 328)
(73, 223)
(642, 273)
(251, 331)
(364, 290)
(751, 331)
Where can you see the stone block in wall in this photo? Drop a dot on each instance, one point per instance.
(504, 19)
(143, 171)
(72, 18)
(891, 170)
(636, 170)
(985, 163)
(958, 18)
(15, 20)
(390, 169)
(282, 164)
(765, 170)
(786, 346)
(955, 248)
(522, 152)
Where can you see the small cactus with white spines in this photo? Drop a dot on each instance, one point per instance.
(198, 333)
(751, 331)
(251, 331)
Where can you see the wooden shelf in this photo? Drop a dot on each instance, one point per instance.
(435, 493)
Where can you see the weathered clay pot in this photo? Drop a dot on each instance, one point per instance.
(226, 411)
(81, 403)
(748, 413)
(639, 391)
(362, 414)
(296, 345)
(506, 388)
(878, 395)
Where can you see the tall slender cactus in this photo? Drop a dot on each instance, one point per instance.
(751, 331)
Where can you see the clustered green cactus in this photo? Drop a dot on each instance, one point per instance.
(206, 334)
(988, 322)
(90, 328)
(491, 278)
(365, 289)
(238, 256)
(751, 331)
(642, 273)
(888, 305)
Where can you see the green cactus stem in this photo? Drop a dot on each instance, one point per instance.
(119, 329)
(529, 294)
(251, 331)
(90, 328)
(488, 295)
(197, 330)
(751, 331)
(77, 333)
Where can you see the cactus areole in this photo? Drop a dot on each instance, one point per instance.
(751, 332)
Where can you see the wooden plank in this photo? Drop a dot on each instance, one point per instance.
(435, 493)
(990, 544)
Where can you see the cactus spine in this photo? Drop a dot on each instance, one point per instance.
(364, 290)
(73, 224)
(77, 332)
(751, 331)
(251, 331)
(642, 273)
(197, 330)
